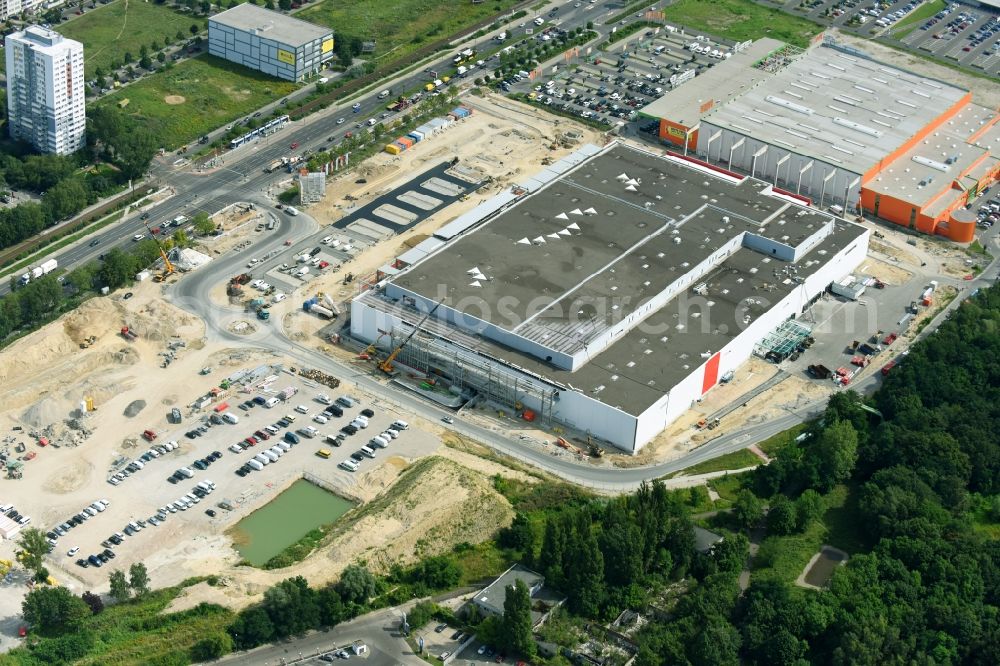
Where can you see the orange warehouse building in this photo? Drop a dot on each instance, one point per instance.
(846, 131)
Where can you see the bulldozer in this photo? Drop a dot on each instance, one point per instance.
(88, 341)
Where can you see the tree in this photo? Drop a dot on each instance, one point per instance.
(138, 579)
(517, 619)
(834, 455)
(356, 585)
(717, 644)
(194, 29)
(748, 510)
(269, 5)
(94, 601)
(146, 63)
(65, 198)
(180, 35)
(519, 536)
(553, 552)
(120, 589)
(161, 57)
(212, 646)
(205, 6)
(437, 573)
(586, 577)
(251, 628)
(781, 517)
(34, 547)
(292, 606)
(808, 507)
(53, 609)
(127, 58)
(143, 51)
(203, 223)
(285, 5)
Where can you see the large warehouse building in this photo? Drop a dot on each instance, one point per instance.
(847, 131)
(610, 292)
(270, 42)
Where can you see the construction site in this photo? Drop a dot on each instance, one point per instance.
(80, 394)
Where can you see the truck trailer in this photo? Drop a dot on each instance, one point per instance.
(43, 268)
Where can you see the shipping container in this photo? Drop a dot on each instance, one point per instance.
(393, 149)
(416, 135)
(402, 146)
(406, 141)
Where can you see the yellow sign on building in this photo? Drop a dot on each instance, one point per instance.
(327, 45)
(676, 131)
(286, 56)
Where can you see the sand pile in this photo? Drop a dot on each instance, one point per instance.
(134, 408)
(96, 317)
(46, 411)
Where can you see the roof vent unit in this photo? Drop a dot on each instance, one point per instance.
(858, 127)
(788, 104)
(934, 164)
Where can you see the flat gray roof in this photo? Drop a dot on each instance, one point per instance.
(271, 25)
(564, 292)
(720, 83)
(837, 107)
(495, 594)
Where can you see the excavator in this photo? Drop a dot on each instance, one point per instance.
(386, 366)
(168, 268)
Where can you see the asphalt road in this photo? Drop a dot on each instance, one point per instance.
(378, 630)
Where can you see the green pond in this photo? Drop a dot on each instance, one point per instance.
(286, 519)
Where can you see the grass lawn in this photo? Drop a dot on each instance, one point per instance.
(772, 445)
(402, 26)
(214, 92)
(728, 486)
(735, 460)
(917, 17)
(480, 562)
(741, 20)
(139, 633)
(109, 31)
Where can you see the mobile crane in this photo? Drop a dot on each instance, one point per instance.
(386, 365)
(168, 268)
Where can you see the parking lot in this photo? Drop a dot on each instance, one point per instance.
(968, 36)
(197, 475)
(610, 86)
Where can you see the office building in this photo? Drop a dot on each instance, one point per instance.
(270, 42)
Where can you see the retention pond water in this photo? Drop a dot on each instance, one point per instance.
(286, 519)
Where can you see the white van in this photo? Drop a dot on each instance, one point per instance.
(379, 442)
(400, 425)
(367, 451)
(276, 450)
(262, 459)
(271, 402)
(284, 446)
(255, 464)
(349, 465)
(359, 424)
(270, 455)
(291, 211)
(230, 418)
(302, 272)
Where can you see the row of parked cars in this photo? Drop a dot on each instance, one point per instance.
(152, 453)
(12, 513)
(117, 538)
(380, 441)
(85, 514)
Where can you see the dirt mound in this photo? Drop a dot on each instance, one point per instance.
(96, 317)
(174, 100)
(46, 411)
(134, 408)
(433, 506)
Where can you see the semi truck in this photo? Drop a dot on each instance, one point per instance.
(43, 268)
(276, 164)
